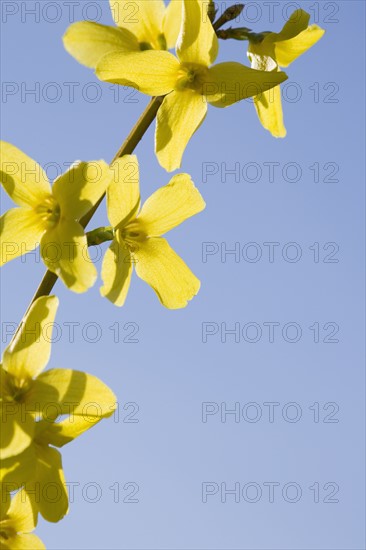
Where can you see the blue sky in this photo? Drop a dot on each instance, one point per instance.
(293, 369)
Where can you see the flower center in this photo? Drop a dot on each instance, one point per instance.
(133, 232)
(145, 46)
(157, 43)
(5, 535)
(7, 529)
(13, 389)
(49, 212)
(191, 76)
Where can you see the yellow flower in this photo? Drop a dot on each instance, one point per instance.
(31, 402)
(188, 79)
(17, 520)
(141, 25)
(39, 468)
(279, 50)
(138, 237)
(50, 216)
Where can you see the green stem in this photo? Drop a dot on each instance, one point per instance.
(100, 235)
(242, 33)
(127, 148)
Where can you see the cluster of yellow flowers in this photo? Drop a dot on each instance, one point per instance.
(50, 217)
(134, 54)
(42, 411)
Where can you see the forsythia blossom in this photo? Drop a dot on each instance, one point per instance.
(188, 81)
(18, 519)
(279, 50)
(138, 240)
(141, 25)
(50, 216)
(31, 402)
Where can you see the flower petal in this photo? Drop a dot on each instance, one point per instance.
(29, 352)
(178, 118)
(172, 22)
(88, 42)
(78, 189)
(5, 500)
(197, 42)
(64, 251)
(47, 487)
(269, 109)
(21, 230)
(116, 273)
(151, 72)
(61, 433)
(123, 194)
(297, 22)
(23, 542)
(144, 19)
(160, 267)
(16, 470)
(230, 82)
(169, 206)
(22, 178)
(17, 429)
(21, 514)
(287, 51)
(59, 392)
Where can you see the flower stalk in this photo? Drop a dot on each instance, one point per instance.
(100, 235)
(239, 33)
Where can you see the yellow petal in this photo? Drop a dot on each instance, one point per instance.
(197, 42)
(23, 542)
(116, 273)
(88, 42)
(21, 230)
(29, 352)
(68, 392)
(5, 501)
(21, 514)
(49, 483)
(295, 38)
(160, 267)
(64, 250)
(78, 189)
(169, 206)
(16, 471)
(287, 51)
(297, 22)
(123, 194)
(17, 429)
(172, 22)
(61, 433)
(151, 72)
(269, 109)
(22, 178)
(230, 82)
(178, 118)
(143, 18)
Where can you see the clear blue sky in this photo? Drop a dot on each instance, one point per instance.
(316, 200)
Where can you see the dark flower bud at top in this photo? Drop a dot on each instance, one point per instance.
(229, 14)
